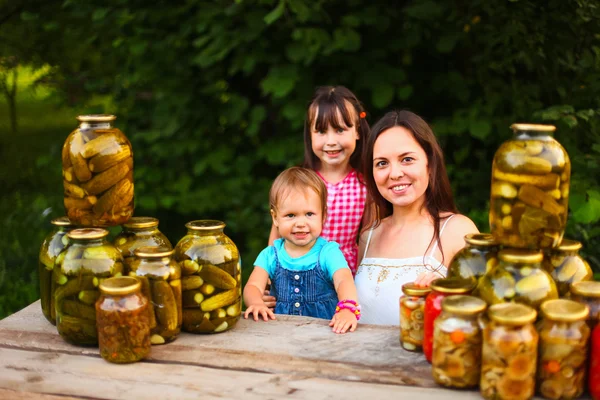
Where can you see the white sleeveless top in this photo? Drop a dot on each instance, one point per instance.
(379, 282)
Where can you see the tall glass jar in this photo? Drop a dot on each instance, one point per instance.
(566, 265)
(160, 276)
(123, 324)
(52, 245)
(518, 278)
(97, 164)
(211, 278)
(139, 232)
(510, 347)
(440, 288)
(456, 361)
(475, 259)
(78, 271)
(530, 189)
(412, 311)
(564, 336)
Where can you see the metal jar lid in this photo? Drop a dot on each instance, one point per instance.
(481, 239)
(463, 305)
(141, 222)
(153, 252)
(564, 310)
(586, 288)
(453, 285)
(410, 289)
(521, 256)
(88, 233)
(120, 286)
(512, 313)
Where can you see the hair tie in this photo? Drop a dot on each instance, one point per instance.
(362, 114)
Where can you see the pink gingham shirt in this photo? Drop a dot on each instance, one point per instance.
(345, 207)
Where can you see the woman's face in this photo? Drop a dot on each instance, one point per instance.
(400, 168)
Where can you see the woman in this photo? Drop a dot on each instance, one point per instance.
(417, 229)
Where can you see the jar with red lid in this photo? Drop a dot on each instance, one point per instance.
(440, 288)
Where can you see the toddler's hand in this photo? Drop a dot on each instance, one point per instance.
(343, 320)
(260, 310)
(426, 278)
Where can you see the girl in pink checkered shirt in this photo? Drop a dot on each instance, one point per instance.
(334, 131)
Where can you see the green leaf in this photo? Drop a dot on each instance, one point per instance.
(405, 91)
(589, 212)
(275, 14)
(280, 80)
(99, 14)
(480, 129)
(447, 43)
(382, 95)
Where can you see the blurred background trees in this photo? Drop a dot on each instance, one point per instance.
(212, 95)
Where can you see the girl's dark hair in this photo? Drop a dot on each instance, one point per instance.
(329, 99)
(438, 196)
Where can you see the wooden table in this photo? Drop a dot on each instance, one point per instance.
(293, 357)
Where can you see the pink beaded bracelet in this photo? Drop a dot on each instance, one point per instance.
(352, 306)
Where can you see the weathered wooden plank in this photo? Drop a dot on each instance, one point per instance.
(93, 378)
(21, 395)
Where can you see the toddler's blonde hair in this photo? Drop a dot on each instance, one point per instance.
(297, 178)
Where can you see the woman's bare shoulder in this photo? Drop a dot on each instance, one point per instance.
(453, 237)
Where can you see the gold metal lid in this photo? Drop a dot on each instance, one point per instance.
(62, 221)
(520, 256)
(153, 251)
(532, 127)
(453, 285)
(586, 288)
(569, 245)
(481, 239)
(463, 305)
(512, 313)
(96, 118)
(88, 233)
(410, 289)
(141, 222)
(120, 286)
(564, 310)
(205, 225)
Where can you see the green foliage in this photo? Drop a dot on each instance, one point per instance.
(213, 94)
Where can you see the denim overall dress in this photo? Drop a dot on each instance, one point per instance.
(309, 293)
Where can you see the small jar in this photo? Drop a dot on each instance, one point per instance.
(211, 278)
(564, 336)
(518, 278)
(123, 324)
(530, 189)
(588, 293)
(510, 347)
(97, 165)
(160, 276)
(440, 288)
(566, 265)
(475, 259)
(139, 232)
(52, 245)
(78, 271)
(456, 361)
(412, 310)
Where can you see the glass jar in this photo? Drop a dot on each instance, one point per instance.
(475, 259)
(509, 353)
(456, 361)
(160, 276)
(530, 189)
(52, 245)
(78, 271)
(440, 288)
(123, 324)
(564, 336)
(566, 266)
(588, 293)
(594, 371)
(139, 232)
(518, 278)
(412, 310)
(211, 278)
(97, 165)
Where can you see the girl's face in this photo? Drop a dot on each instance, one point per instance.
(400, 167)
(298, 219)
(334, 147)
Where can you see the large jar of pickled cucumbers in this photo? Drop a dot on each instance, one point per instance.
(123, 320)
(566, 265)
(475, 259)
(457, 338)
(530, 189)
(564, 336)
(160, 276)
(78, 271)
(139, 232)
(211, 278)
(519, 277)
(97, 163)
(52, 245)
(412, 312)
(509, 354)
(440, 289)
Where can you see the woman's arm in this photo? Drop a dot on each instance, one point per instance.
(253, 295)
(453, 237)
